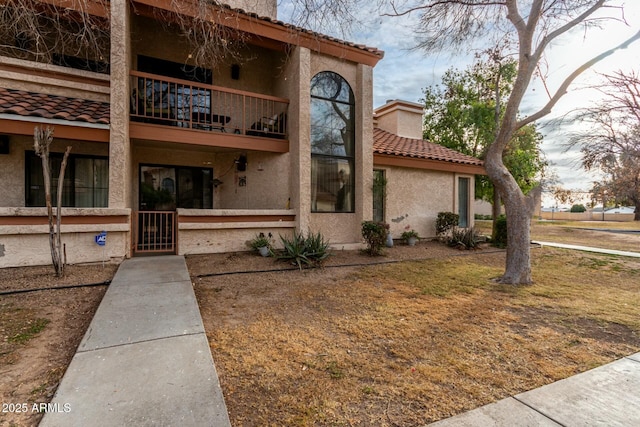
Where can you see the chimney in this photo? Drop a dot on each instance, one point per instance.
(402, 118)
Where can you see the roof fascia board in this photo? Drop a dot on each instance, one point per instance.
(24, 125)
(417, 163)
(271, 30)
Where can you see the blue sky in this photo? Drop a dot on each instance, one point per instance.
(404, 73)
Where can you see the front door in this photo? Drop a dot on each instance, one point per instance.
(156, 225)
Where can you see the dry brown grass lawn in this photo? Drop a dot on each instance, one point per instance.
(409, 343)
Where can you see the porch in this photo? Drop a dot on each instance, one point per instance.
(196, 231)
(173, 110)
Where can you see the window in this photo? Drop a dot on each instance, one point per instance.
(86, 181)
(463, 201)
(379, 187)
(332, 144)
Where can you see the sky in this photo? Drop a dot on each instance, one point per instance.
(405, 72)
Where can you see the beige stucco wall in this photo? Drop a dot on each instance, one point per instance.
(266, 181)
(402, 118)
(215, 237)
(415, 196)
(297, 86)
(26, 244)
(59, 81)
(12, 166)
(268, 8)
(33, 249)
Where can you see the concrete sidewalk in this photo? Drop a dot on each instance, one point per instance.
(605, 396)
(588, 249)
(145, 359)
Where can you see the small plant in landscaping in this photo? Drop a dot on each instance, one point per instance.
(408, 233)
(304, 250)
(262, 241)
(464, 238)
(375, 234)
(445, 223)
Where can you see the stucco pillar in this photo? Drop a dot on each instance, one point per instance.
(299, 77)
(119, 144)
(364, 143)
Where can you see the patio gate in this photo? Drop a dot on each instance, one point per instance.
(155, 233)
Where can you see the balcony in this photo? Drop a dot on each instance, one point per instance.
(175, 110)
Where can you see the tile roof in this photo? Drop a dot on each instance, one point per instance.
(388, 143)
(32, 104)
(297, 29)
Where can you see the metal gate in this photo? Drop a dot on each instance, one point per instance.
(155, 233)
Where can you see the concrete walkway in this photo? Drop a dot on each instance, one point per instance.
(145, 359)
(588, 249)
(605, 396)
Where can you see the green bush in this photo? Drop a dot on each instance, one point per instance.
(304, 250)
(499, 237)
(445, 223)
(375, 234)
(578, 208)
(260, 240)
(464, 238)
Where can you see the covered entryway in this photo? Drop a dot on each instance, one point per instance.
(163, 189)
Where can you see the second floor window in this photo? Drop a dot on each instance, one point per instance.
(332, 144)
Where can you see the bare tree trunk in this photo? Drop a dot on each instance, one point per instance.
(42, 139)
(62, 260)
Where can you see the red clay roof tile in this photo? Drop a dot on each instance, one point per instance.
(388, 143)
(32, 104)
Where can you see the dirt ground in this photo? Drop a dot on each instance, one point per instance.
(40, 332)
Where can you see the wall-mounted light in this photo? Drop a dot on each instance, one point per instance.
(260, 166)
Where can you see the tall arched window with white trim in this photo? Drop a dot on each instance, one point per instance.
(332, 144)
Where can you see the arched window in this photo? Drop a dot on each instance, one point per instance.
(332, 144)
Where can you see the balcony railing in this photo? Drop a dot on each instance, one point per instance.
(172, 102)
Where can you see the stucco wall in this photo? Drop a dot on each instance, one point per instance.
(24, 235)
(266, 183)
(18, 250)
(12, 167)
(345, 227)
(414, 197)
(267, 8)
(62, 81)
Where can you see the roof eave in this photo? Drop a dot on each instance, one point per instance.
(275, 30)
(380, 159)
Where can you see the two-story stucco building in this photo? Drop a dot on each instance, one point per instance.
(170, 157)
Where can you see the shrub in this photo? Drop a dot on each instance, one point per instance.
(409, 233)
(375, 234)
(499, 237)
(464, 238)
(304, 250)
(578, 208)
(445, 223)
